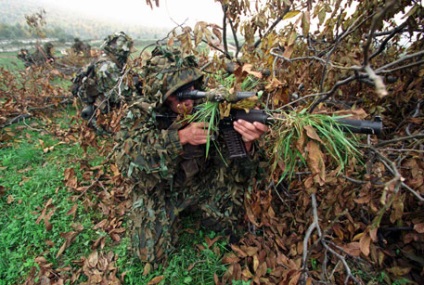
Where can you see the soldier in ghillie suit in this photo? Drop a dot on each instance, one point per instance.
(41, 56)
(164, 158)
(103, 84)
(81, 48)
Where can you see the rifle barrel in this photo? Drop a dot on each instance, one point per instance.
(362, 126)
(374, 127)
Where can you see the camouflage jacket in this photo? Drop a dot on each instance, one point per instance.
(100, 81)
(150, 154)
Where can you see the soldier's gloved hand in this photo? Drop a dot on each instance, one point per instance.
(194, 134)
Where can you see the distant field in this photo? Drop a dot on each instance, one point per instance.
(9, 61)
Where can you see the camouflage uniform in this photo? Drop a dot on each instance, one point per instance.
(168, 177)
(103, 84)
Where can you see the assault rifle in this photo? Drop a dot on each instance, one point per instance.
(233, 139)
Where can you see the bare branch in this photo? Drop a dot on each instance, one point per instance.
(378, 17)
(403, 58)
(309, 231)
(271, 28)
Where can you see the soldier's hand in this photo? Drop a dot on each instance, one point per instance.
(249, 131)
(194, 134)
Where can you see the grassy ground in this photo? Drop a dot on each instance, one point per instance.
(9, 61)
(37, 215)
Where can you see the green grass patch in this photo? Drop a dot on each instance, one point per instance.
(32, 181)
(10, 61)
(35, 207)
(193, 262)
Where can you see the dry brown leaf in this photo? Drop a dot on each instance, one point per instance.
(156, 280)
(115, 237)
(61, 249)
(315, 162)
(399, 271)
(294, 278)
(364, 244)
(311, 133)
(93, 259)
(338, 231)
(262, 269)
(238, 251)
(147, 269)
(251, 250)
(101, 225)
(352, 249)
(211, 242)
(230, 258)
(255, 263)
(72, 212)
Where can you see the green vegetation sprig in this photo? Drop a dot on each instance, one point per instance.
(303, 139)
(207, 112)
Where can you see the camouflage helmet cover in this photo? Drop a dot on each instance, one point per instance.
(118, 44)
(48, 46)
(168, 70)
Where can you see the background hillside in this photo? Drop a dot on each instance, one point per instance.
(63, 24)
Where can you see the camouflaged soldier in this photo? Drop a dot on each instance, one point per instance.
(81, 48)
(42, 55)
(165, 160)
(103, 84)
(24, 55)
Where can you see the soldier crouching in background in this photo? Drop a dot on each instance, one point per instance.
(103, 84)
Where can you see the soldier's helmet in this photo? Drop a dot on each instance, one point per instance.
(118, 44)
(167, 71)
(48, 47)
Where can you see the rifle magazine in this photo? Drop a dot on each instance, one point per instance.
(235, 144)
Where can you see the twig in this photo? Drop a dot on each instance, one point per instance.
(31, 128)
(378, 17)
(397, 179)
(383, 143)
(354, 180)
(403, 58)
(17, 119)
(271, 28)
(415, 193)
(311, 228)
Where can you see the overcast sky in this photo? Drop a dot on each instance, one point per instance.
(137, 11)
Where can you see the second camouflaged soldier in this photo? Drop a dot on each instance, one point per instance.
(164, 158)
(103, 84)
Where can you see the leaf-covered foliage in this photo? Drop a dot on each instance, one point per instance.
(362, 58)
(357, 221)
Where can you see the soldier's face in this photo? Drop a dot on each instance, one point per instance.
(179, 107)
